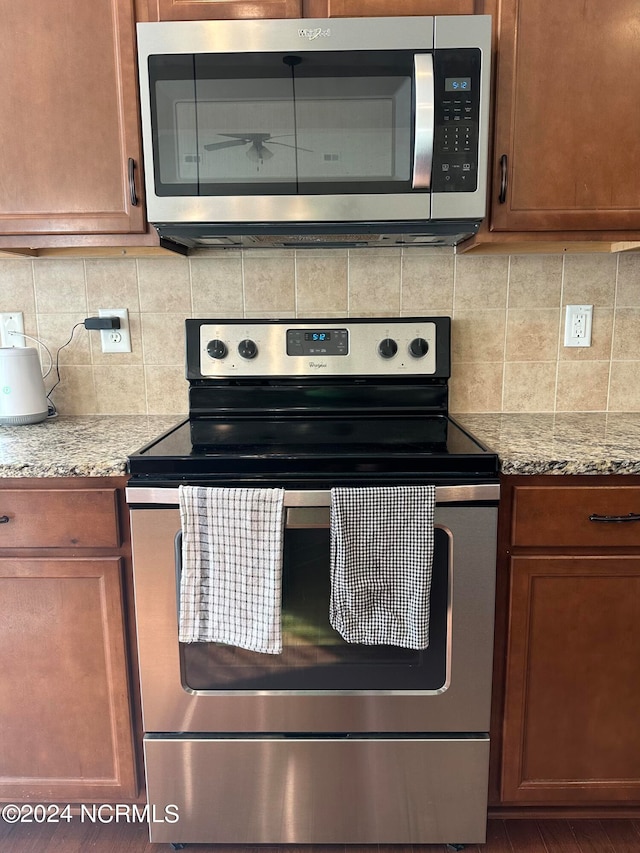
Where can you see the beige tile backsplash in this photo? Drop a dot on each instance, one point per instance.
(508, 319)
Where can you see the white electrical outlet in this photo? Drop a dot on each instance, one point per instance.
(12, 322)
(116, 340)
(577, 325)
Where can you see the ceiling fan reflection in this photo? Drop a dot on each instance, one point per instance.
(257, 150)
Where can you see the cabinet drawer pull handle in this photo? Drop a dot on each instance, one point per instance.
(615, 519)
(132, 183)
(503, 179)
(4, 519)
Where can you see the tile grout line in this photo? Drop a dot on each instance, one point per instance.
(142, 358)
(506, 333)
(613, 333)
(559, 337)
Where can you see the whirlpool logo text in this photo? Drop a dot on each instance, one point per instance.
(313, 34)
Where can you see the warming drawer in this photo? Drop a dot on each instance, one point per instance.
(337, 790)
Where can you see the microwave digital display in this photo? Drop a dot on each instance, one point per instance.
(457, 84)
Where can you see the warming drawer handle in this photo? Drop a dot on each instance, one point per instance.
(615, 519)
(4, 519)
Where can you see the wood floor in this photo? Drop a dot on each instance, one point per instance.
(513, 836)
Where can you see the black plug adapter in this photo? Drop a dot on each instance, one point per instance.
(102, 323)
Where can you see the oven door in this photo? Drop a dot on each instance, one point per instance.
(320, 683)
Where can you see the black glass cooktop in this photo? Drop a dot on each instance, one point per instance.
(313, 449)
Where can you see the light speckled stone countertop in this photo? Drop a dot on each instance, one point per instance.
(98, 445)
(82, 446)
(581, 443)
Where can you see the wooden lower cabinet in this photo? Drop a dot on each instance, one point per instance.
(571, 727)
(65, 695)
(570, 718)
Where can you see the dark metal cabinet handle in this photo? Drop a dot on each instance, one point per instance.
(615, 519)
(132, 183)
(4, 519)
(503, 179)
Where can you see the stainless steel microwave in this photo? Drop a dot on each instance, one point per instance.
(341, 131)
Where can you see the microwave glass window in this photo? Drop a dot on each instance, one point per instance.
(177, 155)
(354, 129)
(243, 124)
(245, 131)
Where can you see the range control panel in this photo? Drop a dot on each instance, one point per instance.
(225, 349)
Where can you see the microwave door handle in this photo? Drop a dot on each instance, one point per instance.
(424, 120)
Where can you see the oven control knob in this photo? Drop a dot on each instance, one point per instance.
(387, 348)
(217, 348)
(248, 348)
(418, 347)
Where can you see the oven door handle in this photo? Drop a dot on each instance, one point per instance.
(300, 517)
(296, 518)
(166, 496)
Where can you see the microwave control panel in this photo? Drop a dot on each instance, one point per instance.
(457, 112)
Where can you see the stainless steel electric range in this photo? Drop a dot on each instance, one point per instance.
(330, 741)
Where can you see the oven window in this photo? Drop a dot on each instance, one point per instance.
(269, 124)
(315, 657)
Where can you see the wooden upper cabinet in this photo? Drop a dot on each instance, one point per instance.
(198, 10)
(202, 10)
(567, 132)
(69, 132)
(381, 8)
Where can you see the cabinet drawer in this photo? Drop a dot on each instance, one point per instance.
(55, 518)
(561, 516)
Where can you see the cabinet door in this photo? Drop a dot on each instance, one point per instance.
(372, 8)
(572, 703)
(567, 139)
(59, 518)
(202, 10)
(64, 689)
(69, 133)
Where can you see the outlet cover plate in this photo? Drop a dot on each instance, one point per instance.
(577, 325)
(12, 321)
(116, 340)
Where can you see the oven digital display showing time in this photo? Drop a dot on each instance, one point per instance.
(318, 337)
(317, 342)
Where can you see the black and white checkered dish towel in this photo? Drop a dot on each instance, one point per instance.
(231, 583)
(381, 563)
